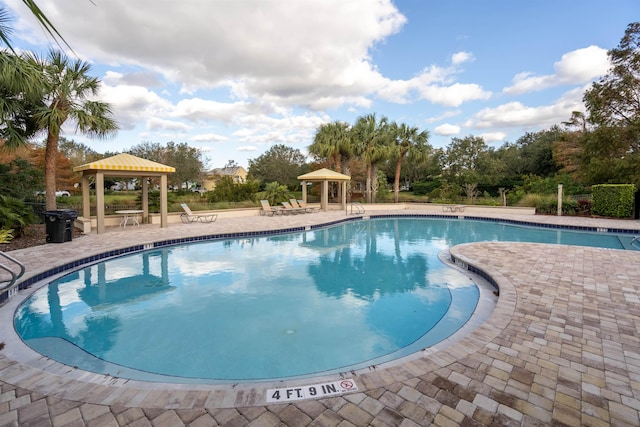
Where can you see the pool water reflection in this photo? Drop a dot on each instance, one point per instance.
(302, 304)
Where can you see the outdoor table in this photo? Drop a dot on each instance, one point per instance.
(129, 214)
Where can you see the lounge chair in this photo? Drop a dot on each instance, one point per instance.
(269, 210)
(188, 217)
(303, 205)
(288, 208)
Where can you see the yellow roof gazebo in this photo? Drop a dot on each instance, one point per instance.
(123, 165)
(324, 176)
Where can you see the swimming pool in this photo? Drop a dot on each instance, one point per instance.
(295, 304)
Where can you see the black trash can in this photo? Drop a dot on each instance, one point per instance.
(59, 225)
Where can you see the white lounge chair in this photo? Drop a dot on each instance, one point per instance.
(288, 208)
(188, 217)
(269, 210)
(311, 209)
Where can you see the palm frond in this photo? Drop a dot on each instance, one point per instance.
(44, 21)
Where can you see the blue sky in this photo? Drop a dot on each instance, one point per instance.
(234, 77)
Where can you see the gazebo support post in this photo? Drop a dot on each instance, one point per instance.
(324, 197)
(100, 202)
(344, 194)
(163, 202)
(86, 197)
(145, 200)
(304, 191)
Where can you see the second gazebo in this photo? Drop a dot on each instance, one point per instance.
(324, 176)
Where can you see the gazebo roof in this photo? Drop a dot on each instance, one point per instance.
(324, 174)
(125, 162)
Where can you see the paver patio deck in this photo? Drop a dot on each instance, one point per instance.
(562, 347)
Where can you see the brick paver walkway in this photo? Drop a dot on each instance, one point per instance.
(562, 347)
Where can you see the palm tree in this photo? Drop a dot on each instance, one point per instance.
(67, 86)
(20, 85)
(408, 141)
(371, 138)
(333, 143)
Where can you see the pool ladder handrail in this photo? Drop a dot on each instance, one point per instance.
(357, 207)
(14, 276)
(635, 240)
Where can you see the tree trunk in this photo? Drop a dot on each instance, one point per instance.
(347, 172)
(374, 182)
(367, 189)
(396, 181)
(50, 154)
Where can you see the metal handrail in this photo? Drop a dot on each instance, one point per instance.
(634, 240)
(14, 276)
(359, 209)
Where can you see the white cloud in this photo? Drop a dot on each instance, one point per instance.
(290, 51)
(490, 137)
(453, 95)
(247, 148)
(461, 57)
(197, 109)
(155, 123)
(445, 115)
(447, 130)
(516, 114)
(133, 104)
(577, 67)
(208, 137)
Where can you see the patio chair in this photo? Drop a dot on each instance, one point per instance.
(188, 217)
(297, 205)
(288, 208)
(269, 210)
(310, 209)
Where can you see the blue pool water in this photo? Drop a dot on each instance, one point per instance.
(329, 300)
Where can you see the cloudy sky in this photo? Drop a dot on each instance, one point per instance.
(234, 77)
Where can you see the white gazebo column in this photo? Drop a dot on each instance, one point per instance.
(343, 195)
(304, 191)
(100, 202)
(145, 200)
(324, 196)
(163, 201)
(86, 197)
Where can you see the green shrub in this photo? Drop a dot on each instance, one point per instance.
(6, 236)
(548, 205)
(228, 191)
(15, 214)
(530, 200)
(154, 200)
(584, 207)
(424, 188)
(275, 193)
(613, 200)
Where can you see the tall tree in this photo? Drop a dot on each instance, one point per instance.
(332, 142)
(611, 152)
(65, 96)
(467, 160)
(186, 159)
(407, 141)
(76, 152)
(20, 95)
(280, 164)
(371, 139)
